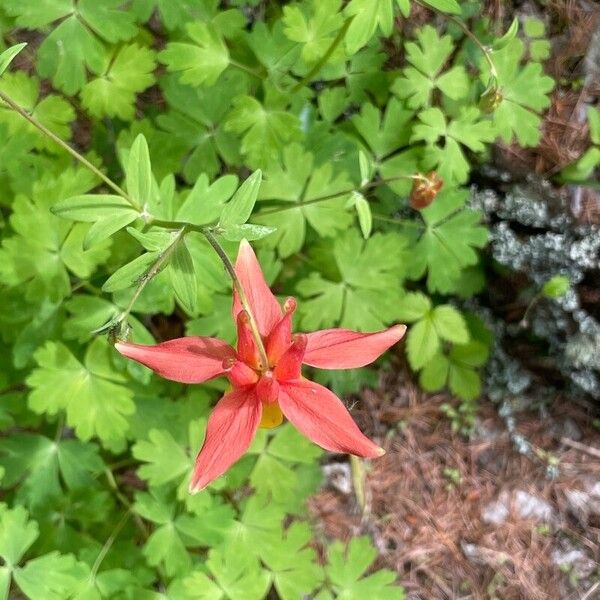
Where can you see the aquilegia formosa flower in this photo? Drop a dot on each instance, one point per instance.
(263, 393)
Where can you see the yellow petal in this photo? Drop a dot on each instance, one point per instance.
(271, 416)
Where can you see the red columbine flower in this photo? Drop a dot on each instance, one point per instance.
(263, 393)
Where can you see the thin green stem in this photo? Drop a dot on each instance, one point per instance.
(397, 221)
(241, 295)
(245, 68)
(323, 60)
(155, 269)
(469, 34)
(84, 161)
(108, 544)
(368, 186)
(125, 502)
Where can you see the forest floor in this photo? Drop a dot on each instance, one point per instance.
(471, 517)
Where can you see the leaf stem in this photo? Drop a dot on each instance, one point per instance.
(108, 544)
(156, 268)
(323, 60)
(368, 186)
(469, 34)
(241, 295)
(84, 161)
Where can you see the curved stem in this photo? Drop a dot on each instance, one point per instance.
(84, 161)
(241, 294)
(368, 186)
(323, 60)
(468, 33)
(156, 268)
(108, 544)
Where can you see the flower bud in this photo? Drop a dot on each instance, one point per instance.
(424, 190)
(491, 99)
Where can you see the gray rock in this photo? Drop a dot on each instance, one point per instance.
(339, 476)
(531, 507)
(496, 513)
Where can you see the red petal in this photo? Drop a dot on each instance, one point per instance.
(290, 364)
(239, 373)
(280, 338)
(187, 359)
(231, 429)
(346, 349)
(246, 346)
(321, 416)
(267, 389)
(264, 305)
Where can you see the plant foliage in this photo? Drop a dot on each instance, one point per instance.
(283, 123)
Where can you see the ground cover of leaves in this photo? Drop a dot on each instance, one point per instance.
(472, 518)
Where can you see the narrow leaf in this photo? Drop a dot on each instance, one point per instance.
(104, 228)
(129, 274)
(510, 35)
(139, 171)
(446, 6)
(8, 55)
(248, 231)
(365, 218)
(238, 210)
(183, 278)
(91, 207)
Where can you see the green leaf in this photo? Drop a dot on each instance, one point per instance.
(367, 15)
(428, 56)
(92, 394)
(448, 6)
(129, 274)
(413, 306)
(434, 375)
(593, 116)
(363, 210)
(125, 74)
(238, 210)
(8, 55)
(511, 34)
(52, 111)
(315, 32)
(472, 354)
(347, 567)
(265, 129)
(139, 177)
(556, 287)
(464, 382)
(17, 534)
(450, 324)
(525, 93)
(166, 460)
(447, 156)
(366, 292)
(183, 278)
(204, 204)
(51, 577)
(200, 62)
(237, 233)
(195, 122)
(91, 207)
(236, 575)
(422, 343)
(34, 461)
(292, 563)
(449, 242)
(68, 70)
(296, 185)
(107, 226)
